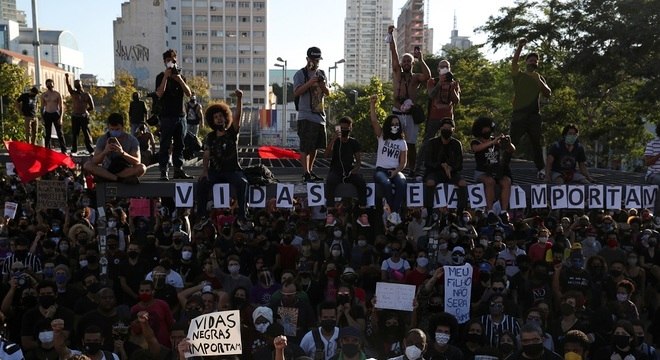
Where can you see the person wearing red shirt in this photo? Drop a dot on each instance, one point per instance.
(160, 315)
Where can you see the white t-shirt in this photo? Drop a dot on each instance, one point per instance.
(172, 278)
(388, 152)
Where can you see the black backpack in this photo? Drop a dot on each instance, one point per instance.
(259, 175)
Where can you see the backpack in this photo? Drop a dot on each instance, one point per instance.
(259, 175)
(191, 145)
(319, 354)
(296, 99)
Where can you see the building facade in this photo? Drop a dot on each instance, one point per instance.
(411, 30)
(365, 50)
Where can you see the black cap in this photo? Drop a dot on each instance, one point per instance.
(314, 53)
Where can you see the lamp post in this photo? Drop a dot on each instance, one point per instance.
(285, 91)
(335, 67)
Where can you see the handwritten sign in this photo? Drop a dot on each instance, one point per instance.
(51, 194)
(458, 289)
(10, 209)
(395, 296)
(217, 333)
(10, 168)
(139, 207)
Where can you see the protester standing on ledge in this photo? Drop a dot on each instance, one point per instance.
(82, 104)
(52, 111)
(27, 105)
(310, 88)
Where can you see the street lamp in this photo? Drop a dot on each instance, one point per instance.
(335, 67)
(285, 90)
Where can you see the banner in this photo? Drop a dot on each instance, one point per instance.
(32, 161)
(139, 207)
(458, 289)
(395, 296)
(217, 333)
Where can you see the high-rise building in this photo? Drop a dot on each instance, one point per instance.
(365, 49)
(223, 41)
(411, 30)
(8, 11)
(456, 41)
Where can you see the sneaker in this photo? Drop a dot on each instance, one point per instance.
(163, 176)
(180, 174)
(541, 174)
(307, 177)
(315, 177)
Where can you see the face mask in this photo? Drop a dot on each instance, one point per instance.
(422, 261)
(531, 67)
(49, 272)
(55, 228)
(533, 350)
(497, 238)
(60, 279)
(484, 242)
(622, 297)
(186, 255)
(458, 259)
(233, 269)
(640, 340)
(92, 259)
(621, 341)
(337, 233)
(261, 328)
(543, 239)
(570, 139)
(474, 338)
(442, 338)
(345, 133)
(115, 133)
(169, 64)
(485, 134)
(362, 243)
(632, 261)
(453, 235)
(133, 254)
(350, 350)
(577, 263)
(442, 246)
(446, 133)
(394, 129)
(567, 309)
(85, 203)
(83, 263)
(91, 348)
(335, 253)
(112, 224)
(466, 219)
(46, 301)
(413, 352)
(615, 273)
(328, 325)
(444, 70)
(46, 337)
(64, 247)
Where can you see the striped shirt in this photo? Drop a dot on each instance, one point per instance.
(30, 261)
(494, 330)
(652, 149)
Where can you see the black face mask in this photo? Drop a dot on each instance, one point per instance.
(615, 273)
(621, 341)
(345, 133)
(133, 254)
(533, 350)
(350, 350)
(46, 301)
(328, 325)
(91, 348)
(474, 338)
(531, 67)
(446, 133)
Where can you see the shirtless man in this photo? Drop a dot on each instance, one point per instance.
(82, 104)
(406, 84)
(52, 110)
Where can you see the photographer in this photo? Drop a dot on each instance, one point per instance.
(117, 155)
(170, 89)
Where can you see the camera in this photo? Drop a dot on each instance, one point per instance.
(176, 70)
(22, 281)
(321, 77)
(449, 77)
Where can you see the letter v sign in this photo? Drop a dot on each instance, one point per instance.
(183, 195)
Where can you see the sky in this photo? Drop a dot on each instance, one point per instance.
(293, 26)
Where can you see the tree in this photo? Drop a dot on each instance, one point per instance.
(200, 86)
(13, 81)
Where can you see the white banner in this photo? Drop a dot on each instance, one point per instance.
(458, 289)
(10, 209)
(477, 196)
(217, 333)
(371, 194)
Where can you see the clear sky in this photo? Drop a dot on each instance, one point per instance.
(293, 26)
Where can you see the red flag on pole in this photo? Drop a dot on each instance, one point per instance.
(32, 161)
(275, 152)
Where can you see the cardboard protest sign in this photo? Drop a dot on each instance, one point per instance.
(51, 194)
(10, 209)
(217, 333)
(458, 289)
(395, 296)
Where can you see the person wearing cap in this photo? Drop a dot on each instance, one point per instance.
(26, 104)
(445, 93)
(406, 84)
(350, 341)
(443, 162)
(117, 155)
(310, 88)
(491, 169)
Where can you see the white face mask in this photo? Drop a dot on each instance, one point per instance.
(46, 337)
(422, 261)
(233, 269)
(413, 352)
(622, 297)
(543, 239)
(362, 243)
(337, 233)
(112, 224)
(444, 70)
(484, 242)
(186, 255)
(335, 253)
(261, 328)
(394, 129)
(442, 338)
(466, 219)
(83, 263)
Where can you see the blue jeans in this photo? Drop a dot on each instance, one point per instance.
(172, 130)
(235, 179)
(384, 188)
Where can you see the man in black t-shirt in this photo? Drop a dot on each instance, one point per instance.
(220, 164)
(137, 113)
(27, 105)
(345, 163)
(170, 88)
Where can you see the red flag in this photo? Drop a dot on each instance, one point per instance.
(275, 152)
(32, 161)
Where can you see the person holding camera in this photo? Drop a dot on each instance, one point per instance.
(82, 103)
(406, 83)
(117, 155)
(310, 88)
(170, 88)
(444, 93)
(491, 170)
(528, 86)
(562, 158)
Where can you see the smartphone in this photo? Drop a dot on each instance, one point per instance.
(338, 128)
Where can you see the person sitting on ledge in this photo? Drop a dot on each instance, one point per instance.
(117, 155)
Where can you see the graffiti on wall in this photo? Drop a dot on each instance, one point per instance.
(131, 53)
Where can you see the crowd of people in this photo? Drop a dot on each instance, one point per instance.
(94, 281)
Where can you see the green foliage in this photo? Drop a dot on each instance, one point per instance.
(13, 82)
(200, 86)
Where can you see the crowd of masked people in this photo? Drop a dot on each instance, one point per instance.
(91, 280)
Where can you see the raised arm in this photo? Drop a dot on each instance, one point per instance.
(374, 117)
(396, 67)
(516, 55)
(236, 121)
(68, 83)
(426, 72)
